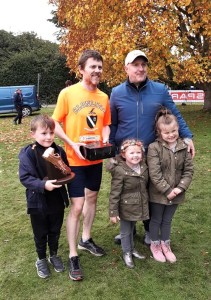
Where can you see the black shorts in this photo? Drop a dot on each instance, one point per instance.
(85, 177)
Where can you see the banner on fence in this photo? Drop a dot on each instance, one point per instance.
(187, 96)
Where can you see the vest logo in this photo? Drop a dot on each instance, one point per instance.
(91, 119)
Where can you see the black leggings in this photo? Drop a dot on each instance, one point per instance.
(146, 222)
(160, 221)
(46, 229)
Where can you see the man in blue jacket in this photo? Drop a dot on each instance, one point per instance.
(134, 104)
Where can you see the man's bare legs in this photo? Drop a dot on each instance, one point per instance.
(73, 224)
(85, 206)
(89, 211)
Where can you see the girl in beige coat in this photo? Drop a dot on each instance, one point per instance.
(170, 170)
(128, 196)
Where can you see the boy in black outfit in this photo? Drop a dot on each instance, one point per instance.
(45, 200)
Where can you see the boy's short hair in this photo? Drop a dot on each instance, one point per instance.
(89, 54)
(43, 121)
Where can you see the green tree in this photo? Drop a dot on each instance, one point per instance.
(24, 56)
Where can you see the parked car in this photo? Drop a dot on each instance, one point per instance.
(30, 101)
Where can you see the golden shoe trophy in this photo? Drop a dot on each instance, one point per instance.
(56, 168)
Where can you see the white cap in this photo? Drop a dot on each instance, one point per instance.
(133, 55)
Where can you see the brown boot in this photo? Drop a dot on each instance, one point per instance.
(56, 160)
(56, 168)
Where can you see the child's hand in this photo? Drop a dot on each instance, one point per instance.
(114, 220)
(177, 191)
(174, 193)
(171, 195)
(50, 186)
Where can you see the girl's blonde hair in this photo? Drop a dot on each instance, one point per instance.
(164, 116)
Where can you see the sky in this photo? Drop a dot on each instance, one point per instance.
(19, 16)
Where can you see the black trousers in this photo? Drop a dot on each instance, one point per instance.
(19, 115)
(46, 229)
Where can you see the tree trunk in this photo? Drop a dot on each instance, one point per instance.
(206, 87)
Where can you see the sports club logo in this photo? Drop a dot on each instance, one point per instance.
(91, 119)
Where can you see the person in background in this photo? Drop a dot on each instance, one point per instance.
(134, 105)
(84, 111)
(128, 201)
(45, 200)
(18, 102)
(170, 171)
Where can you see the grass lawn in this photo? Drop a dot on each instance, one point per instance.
(107, 277)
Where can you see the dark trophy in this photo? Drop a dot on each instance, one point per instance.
(98, 150)
(56, 168)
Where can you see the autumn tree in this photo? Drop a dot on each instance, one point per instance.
(174, 34)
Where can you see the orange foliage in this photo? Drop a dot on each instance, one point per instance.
(174, 34)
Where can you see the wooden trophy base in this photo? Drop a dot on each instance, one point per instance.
(65, 180)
